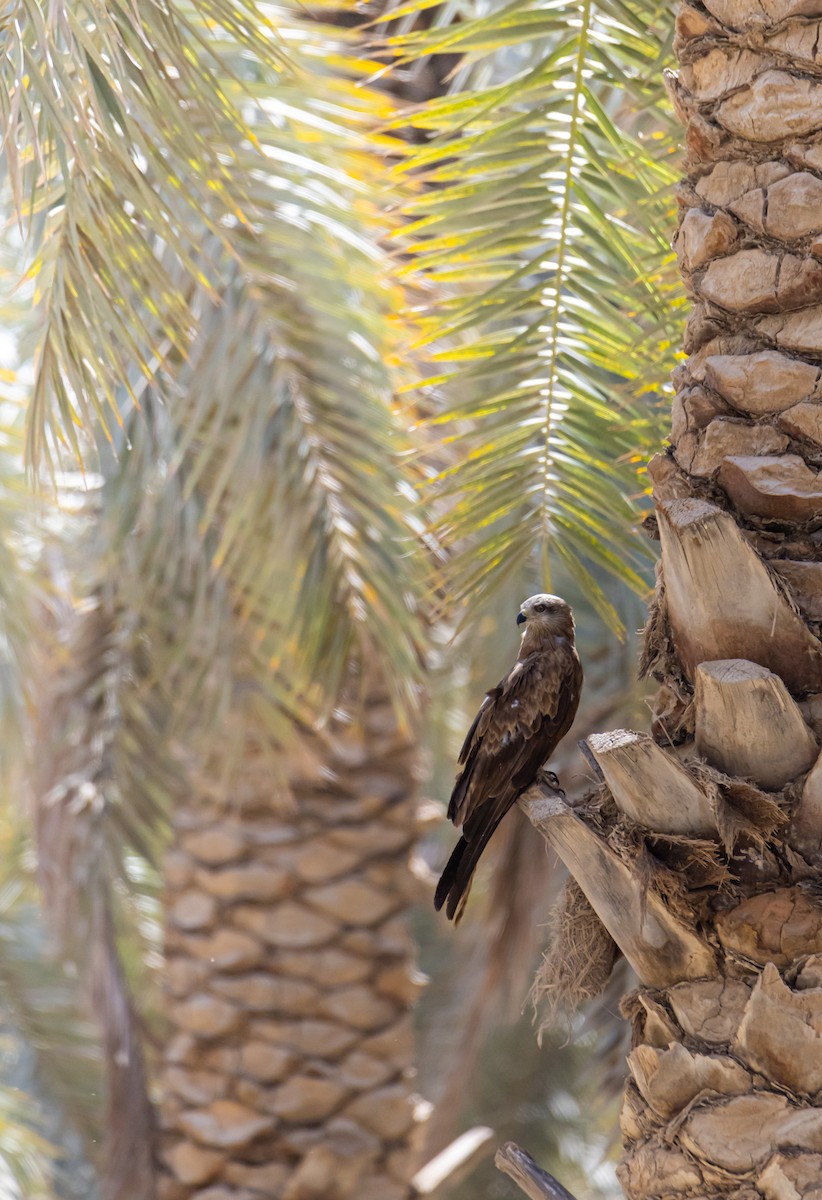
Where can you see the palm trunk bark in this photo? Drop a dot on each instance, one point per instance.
(701, 853)
(290, 978)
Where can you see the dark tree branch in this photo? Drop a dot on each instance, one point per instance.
(588, 754)
(537, 1184)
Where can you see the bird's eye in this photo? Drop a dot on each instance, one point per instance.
(540, 607)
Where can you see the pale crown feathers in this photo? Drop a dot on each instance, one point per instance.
(544, 616)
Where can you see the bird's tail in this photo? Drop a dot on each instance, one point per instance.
(455, 881)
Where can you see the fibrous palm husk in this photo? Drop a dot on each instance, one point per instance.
(579, 961)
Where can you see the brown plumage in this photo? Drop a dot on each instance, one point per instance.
(519, 725)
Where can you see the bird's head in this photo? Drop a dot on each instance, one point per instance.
(544, 615)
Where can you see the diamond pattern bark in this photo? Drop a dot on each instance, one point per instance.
(725, 1094)
(289, 975)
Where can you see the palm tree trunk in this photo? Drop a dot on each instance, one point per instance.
(290, 977)
(701, 853)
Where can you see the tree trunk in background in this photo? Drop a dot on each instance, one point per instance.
(718, 909)
(288, 1074)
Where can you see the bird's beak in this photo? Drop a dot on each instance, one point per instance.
(521, 618)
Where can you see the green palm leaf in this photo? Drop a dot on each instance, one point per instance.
(542, 237)
(205, 216)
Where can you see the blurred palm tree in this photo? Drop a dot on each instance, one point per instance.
(205, 202)
(230, 596)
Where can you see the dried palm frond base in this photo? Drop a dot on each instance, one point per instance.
(657, 655)
(741, 808)
(578, 963)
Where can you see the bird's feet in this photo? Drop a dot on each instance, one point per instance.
(553, 782)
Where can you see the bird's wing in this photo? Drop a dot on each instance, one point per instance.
(517, 727)
(487, 702)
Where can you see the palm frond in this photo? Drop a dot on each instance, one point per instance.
(51, 1063)
(255, 297)
(102, 780)
(24, 1154)
(106, 112)
(542, 236)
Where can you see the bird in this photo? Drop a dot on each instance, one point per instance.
(520, 723)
